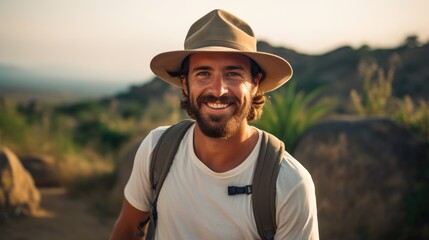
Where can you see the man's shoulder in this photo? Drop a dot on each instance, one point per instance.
(292, 173)
(156, 133)
(151, 139)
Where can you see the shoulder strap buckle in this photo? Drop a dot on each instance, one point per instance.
(233, 190)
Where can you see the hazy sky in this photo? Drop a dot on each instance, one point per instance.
(117, 39)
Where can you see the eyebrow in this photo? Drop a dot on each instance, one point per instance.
(199, 68)
(234, 68)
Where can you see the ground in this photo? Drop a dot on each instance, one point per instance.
(62, 217)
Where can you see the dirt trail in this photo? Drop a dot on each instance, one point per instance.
(63, 218)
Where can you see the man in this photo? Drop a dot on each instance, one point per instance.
(223, 79)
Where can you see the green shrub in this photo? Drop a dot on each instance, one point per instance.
(415, 117)
(13, 126)
(377, 86)
(377, 98)
(291, 112)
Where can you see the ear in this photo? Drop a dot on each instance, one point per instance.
(184, 85)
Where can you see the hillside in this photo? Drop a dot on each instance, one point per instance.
(337, 70)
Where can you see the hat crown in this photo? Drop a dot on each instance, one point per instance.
(222, 29)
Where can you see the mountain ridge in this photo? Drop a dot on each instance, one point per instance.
(337, 70)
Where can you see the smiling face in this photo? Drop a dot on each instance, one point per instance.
(220, 88)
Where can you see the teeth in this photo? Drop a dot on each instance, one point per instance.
(217, 105)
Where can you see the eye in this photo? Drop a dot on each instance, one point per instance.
(202, 74)
(233, 75)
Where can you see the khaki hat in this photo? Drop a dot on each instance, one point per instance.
(221, 31)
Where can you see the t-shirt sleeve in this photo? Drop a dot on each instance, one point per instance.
(296, 202)
(138, 191)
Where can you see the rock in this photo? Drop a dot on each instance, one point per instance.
(42, 168)
(18, 193)
(363, 171)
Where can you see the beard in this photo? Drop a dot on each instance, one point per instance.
(220, 126)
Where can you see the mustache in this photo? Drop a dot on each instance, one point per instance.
(224, 99)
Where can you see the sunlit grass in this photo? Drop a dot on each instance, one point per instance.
(377, 98)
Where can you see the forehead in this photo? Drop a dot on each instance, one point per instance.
(219, 58)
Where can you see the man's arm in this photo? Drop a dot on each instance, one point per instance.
(297, 215)
(296, 205)
(126, 225)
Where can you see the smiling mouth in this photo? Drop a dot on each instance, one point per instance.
(217, 105)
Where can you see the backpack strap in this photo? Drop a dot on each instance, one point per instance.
(163, 156)
(161, 160)
(165, 151)
(264, 185)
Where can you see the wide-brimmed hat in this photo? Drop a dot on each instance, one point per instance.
(220, 31)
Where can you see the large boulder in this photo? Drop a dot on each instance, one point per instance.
(365, 172)
(42, 168)
(18, 193)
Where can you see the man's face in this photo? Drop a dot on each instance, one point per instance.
(220, 91)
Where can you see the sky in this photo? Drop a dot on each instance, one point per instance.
(116, 39)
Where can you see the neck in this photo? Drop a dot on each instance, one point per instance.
(220, 154)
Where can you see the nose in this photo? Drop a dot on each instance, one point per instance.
(218, 85)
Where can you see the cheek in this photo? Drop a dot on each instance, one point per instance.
(196, 88)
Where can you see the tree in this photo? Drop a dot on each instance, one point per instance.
(412, 41)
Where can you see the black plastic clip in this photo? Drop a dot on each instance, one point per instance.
(233, 190)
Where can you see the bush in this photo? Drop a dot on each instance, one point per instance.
(377, 85)
(13, 126)
(291, 112)
(377, 99)
(415, 117)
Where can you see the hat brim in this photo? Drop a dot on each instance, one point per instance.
(277, 70)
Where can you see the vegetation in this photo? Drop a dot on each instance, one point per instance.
(84, 137)
(377, 98)
(412, 115)
(291, 112)
(377, 89)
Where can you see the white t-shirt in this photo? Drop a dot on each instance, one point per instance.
(194, 203)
